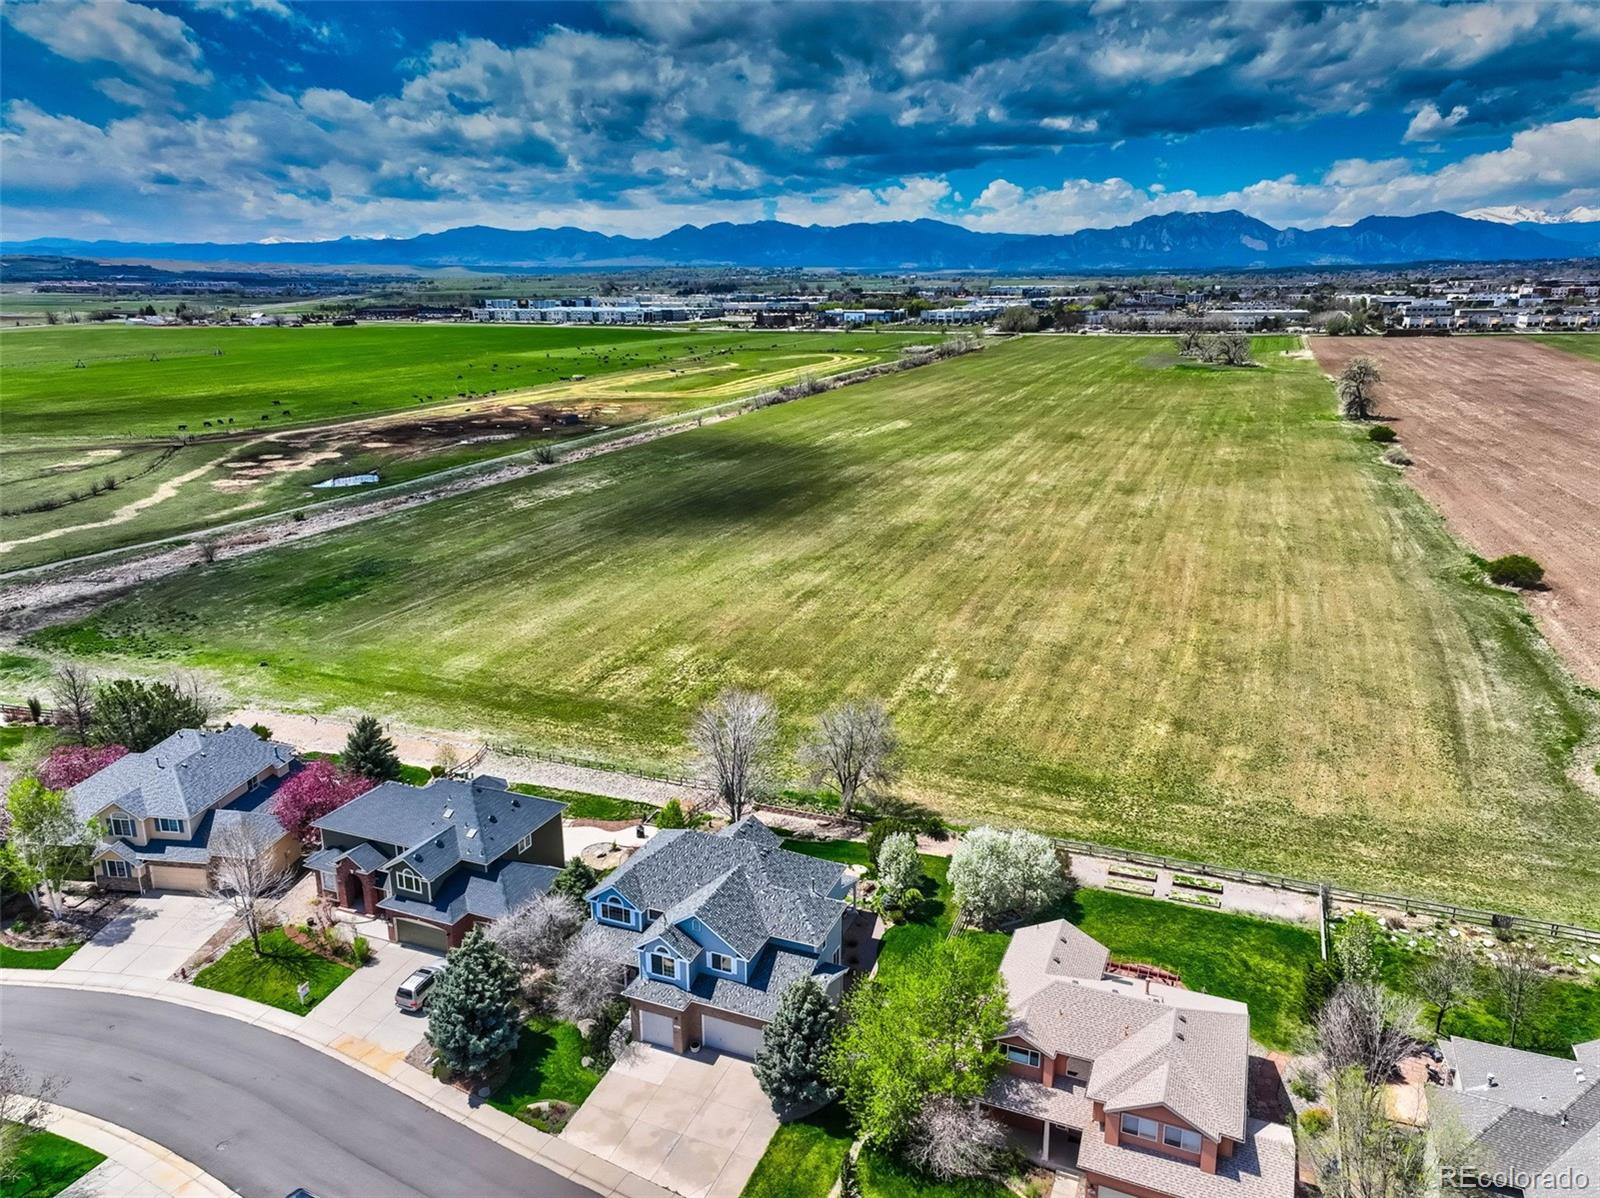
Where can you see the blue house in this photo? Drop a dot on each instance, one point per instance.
(714, 927)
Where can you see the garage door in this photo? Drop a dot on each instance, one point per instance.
(191, 878)
(422, 935)
(655, 1028)
(724, 1035)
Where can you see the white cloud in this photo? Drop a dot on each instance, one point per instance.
(150, 45)
(1430, 125)
(909, 199)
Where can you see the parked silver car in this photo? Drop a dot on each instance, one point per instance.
(413, 993)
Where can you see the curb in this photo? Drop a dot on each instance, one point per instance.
(133, 1163)
(548, 1151)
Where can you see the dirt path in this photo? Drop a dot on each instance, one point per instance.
(1505, 434)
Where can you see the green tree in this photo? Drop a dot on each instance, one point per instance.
(368, 752)
(794, 1048)
(1355, 947)
(472, 1017)
(575, 880)
(929, 1029)
(140, 715)
(47, 839)
(1018, 319)
(671, 815)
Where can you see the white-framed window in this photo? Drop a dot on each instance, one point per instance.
(615, 912)
(122, 825)
(113, 868)
(1138, 1125)
(1180, 1137)
(721, 963)
(169, 825)
(525, 843)
(1022, 1056)
(663, 966)
(407, 881)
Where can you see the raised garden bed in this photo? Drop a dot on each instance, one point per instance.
(1190, 882)
(1133, 871)
(1195, 898)
(1144, 888)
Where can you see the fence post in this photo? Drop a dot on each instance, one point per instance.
(1324, 904)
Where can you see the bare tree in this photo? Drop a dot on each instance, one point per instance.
(1519, 981)
(247, 872)
(1366, 1027)
(1446, 980)
(1358, 389)
(587, 982)
(536, 932)
(1363, 1153)
(951, 1139)
(73, 691)
(854, 750)
(24, 1110)
(736, 739)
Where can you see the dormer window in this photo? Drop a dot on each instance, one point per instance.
(407, 881)
(1022, 1056)
(1138, 1125)
(721, 963)
(1180, 1137)
(614, 912)
(122, 825)
(663, 966)
(170, 825)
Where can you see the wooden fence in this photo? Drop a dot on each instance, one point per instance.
(1408, 904)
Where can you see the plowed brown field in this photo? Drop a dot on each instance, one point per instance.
(1505, 434)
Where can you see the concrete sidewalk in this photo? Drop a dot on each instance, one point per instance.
(377, 1061)
(134, 1166)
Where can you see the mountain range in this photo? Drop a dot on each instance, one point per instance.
(1175, 241)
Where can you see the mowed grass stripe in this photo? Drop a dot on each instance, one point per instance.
(1105, 595)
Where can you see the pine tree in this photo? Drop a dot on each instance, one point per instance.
(472, 1016)
(575, 880)
(793, 1047)
(368, 752)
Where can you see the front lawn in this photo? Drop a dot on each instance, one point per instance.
(35, 958)
(274, 976)
(882, 1176)
(547, 1066)
(1259, 962)
(46, 1164)
(804, 1157)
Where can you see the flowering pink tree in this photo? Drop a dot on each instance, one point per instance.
(318, 788)
(68, 765)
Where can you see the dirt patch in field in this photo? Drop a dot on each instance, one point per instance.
(1505, 434)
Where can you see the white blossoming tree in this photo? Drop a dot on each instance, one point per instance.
(1000, 873)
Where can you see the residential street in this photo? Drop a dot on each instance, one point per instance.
(259, 1111)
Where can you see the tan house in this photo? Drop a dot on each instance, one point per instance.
(1139, 1087)
(162, 810)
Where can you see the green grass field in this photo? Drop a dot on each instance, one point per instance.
(1584, 344)
(275, 976)
(45, 1164)
(1103, 593)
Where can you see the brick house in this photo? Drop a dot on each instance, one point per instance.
(1139, 1087)
(436, 860)
(162, 810)
(715, 927)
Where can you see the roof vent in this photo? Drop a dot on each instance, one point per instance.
(494, 819)
(448, 812)
(516, 803)
(1489, 1077)
(438, 844)
(471, 832)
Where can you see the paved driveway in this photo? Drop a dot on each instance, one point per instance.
(694, 1124)
(362, 1006)
(155, 934)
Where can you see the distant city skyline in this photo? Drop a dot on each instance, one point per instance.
(267, 119)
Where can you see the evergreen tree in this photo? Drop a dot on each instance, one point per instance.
(575, 880)
(368, 752)
(472, 1016)
(793, 1049)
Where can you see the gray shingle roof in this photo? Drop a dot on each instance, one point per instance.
(1068, 1106)
(1045, 952)
(1529, 1080)
(486, 819)
(770, 977)
(253, 811)
(491, 895)
(182, 776)
(1262, 1165)
(1185, 1051)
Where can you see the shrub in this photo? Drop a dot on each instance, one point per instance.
(671, 815)
(882, 830)
(1516, 570)
(1315, 1121)
(1396, 456)
(899, 868)
(1303, 1085)
(1382, 434)
(360, 950)
(545, 455)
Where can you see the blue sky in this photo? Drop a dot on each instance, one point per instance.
(271, 119)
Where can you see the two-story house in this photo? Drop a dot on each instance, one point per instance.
(162, 810)
(715, 927)
(1139, 1087)
(434, 860)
